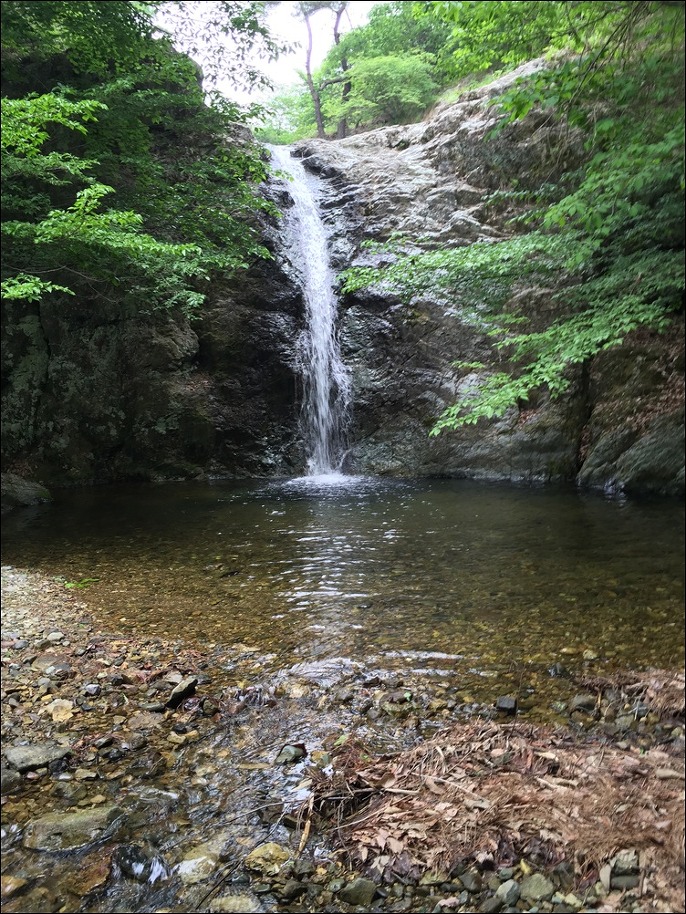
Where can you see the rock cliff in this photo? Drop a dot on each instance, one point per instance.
(91, 397)
(94, 397)
(620, 425)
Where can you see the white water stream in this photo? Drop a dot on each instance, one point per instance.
(326, 398)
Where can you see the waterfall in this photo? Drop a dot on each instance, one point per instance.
(326, 396)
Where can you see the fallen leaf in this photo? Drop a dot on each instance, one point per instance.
(476, 803)
(433, 786)
(394, 845)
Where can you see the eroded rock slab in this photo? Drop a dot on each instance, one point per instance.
(28, 758)
(59, 831)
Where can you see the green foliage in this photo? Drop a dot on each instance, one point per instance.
(125, 123)
(29, 288)
(384, 72)
(393, 29)
(385, 90)
(289, 117)
(81, 584)
(486, 36)
(607, 241)
(94, 36)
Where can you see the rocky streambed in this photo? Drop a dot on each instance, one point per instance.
(169, 775)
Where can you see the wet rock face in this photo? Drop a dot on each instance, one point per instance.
(404, 379)
(248, 351)
(91, 396)
(634, 438)
(69, 831)
(430, 182)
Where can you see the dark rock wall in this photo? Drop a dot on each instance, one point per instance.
(91, 397)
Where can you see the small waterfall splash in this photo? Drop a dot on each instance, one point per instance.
(326, 397)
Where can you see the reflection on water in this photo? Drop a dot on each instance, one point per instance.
(472, 591)
(439, 575)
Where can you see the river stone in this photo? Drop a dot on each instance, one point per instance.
(625, 722)
(199, 864)
(491, 905)
(9, 780)
(91, 874)
(267, 859)
(537, 888)
(359, 892)
(59, 831)
(183, 690)
(240, 903)
(303, 867)
(291, 890)
(60, 709)
(132, 861)
(28, 758)
(144, 720)
(582, 703)
(435, 877)
(508, 892)
(17, 491)
(56, 666)
(290, 753)
(471, 880)
(148, 764)
(11, 885)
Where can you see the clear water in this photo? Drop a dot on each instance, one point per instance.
(475, 581)
(327, 385)
(468, 588)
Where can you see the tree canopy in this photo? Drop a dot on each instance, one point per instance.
(118, 177)
(387, 71)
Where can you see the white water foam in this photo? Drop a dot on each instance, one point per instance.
(327, 387)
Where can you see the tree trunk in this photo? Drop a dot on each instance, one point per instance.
(342, 130)
(316, 101)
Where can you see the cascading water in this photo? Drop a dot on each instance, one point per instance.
(326, 397)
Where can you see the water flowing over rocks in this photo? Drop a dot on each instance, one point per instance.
(619, 427)
(61, 831)
(326, 386)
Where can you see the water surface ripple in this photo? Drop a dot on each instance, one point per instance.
(434, 575)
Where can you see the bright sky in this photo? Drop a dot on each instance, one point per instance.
(285, 25)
